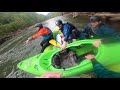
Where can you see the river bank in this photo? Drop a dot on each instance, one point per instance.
(109, 17)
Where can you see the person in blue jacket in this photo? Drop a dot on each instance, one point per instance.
(97, 29)
(69, 31)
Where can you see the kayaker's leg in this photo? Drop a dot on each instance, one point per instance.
(42, 43)
(45, 43)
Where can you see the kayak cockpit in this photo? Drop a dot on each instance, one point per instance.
(72, 56)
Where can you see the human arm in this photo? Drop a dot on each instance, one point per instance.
(51, 75)
(85, 29)
(65, 36)
(38, 34)
(66, 32)
(63, 46)
(41, 32)
(100, 70)
(85, 32)
(29, 39)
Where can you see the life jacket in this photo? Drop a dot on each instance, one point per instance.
(48, 35)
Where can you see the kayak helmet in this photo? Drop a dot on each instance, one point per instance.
(58, 22)
(39, 25)
(95, 19)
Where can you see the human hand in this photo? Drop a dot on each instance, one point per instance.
(97, 43)
(51, 75)
(26, 42)
(63, 47)
(61, 35)
(29, 39)
(89, 56)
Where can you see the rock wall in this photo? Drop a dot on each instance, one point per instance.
(105, 15)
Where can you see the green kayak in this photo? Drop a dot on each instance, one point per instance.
(107, 54)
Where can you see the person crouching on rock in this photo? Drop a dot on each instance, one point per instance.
(45, 32)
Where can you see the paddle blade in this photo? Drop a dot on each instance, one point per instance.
(53, 42)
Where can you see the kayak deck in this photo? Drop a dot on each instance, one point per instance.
(106, 54)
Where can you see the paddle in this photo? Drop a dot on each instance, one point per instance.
(57, 42)
(53, 42)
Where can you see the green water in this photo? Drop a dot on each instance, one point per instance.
(14, 50)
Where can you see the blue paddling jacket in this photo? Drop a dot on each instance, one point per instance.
(67, 30)
(100, 32)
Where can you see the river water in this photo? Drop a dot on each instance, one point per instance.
(15, 50)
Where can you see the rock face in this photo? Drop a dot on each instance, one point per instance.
(105, 15)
